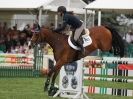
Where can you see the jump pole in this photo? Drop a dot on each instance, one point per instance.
(110, 60)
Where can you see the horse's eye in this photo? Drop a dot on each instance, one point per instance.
(36, 34)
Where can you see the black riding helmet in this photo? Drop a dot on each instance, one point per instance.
(61, 9)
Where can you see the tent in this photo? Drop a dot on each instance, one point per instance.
(119, 6)
(22, 4)
(71, 5)
(10, 5)
(77, 6)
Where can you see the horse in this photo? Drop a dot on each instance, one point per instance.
(103, 38)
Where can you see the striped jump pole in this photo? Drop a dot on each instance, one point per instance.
(72, 77)
(109, 79)
(111, 60)
(108, 71)
(108, 91)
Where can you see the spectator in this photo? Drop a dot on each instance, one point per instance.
(52, 27)
(13, 50)
(5, 28)
(8, 43)
(14, 27)
(15, 36)
(129, 36)
(0, 28)
(27, 30)
(22, 38)
(2, 44)
(27, 27)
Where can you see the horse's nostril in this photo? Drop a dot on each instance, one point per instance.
(29, 47)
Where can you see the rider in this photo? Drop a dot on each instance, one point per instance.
(74, 22)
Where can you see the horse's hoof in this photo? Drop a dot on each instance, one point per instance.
(52, 91)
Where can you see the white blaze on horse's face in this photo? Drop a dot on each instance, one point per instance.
(29, 43)
(34, 40)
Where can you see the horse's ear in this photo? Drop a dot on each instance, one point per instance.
(47, 27)
(38, 26)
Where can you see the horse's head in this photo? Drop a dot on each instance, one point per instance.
(43, 36)
(35, 39)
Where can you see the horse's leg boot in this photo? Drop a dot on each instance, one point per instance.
(46, 85)
(52, 91)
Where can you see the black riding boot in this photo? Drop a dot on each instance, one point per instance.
(80, 44)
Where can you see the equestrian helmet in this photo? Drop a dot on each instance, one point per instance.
(61, 9)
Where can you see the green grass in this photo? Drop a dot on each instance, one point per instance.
(32, 88)
(22, 88)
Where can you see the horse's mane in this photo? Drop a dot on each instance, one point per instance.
(59, 35)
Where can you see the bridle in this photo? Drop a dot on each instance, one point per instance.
(39, 40)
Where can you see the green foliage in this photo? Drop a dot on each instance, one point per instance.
(109, 19)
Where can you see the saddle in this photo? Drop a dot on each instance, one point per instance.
(84, 39)
(80, 40)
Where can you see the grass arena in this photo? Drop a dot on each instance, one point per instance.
(24, 76)
(100, 82)
(32, 88)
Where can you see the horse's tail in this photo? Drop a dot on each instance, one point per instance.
(117, 42)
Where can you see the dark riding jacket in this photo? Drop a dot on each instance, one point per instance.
(71, 20)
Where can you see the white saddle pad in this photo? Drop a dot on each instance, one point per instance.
(86, 42)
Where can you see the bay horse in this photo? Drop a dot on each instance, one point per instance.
(103, 38)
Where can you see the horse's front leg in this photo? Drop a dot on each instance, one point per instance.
(54, 89)
(46, 85)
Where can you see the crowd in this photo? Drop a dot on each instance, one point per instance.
(13, 40)
(16, 41)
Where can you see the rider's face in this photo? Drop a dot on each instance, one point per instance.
(60, 13)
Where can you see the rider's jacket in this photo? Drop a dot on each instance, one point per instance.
(71, 20)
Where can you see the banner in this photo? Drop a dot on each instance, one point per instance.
(16, 60)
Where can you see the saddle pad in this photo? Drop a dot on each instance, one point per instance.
(86, 41)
